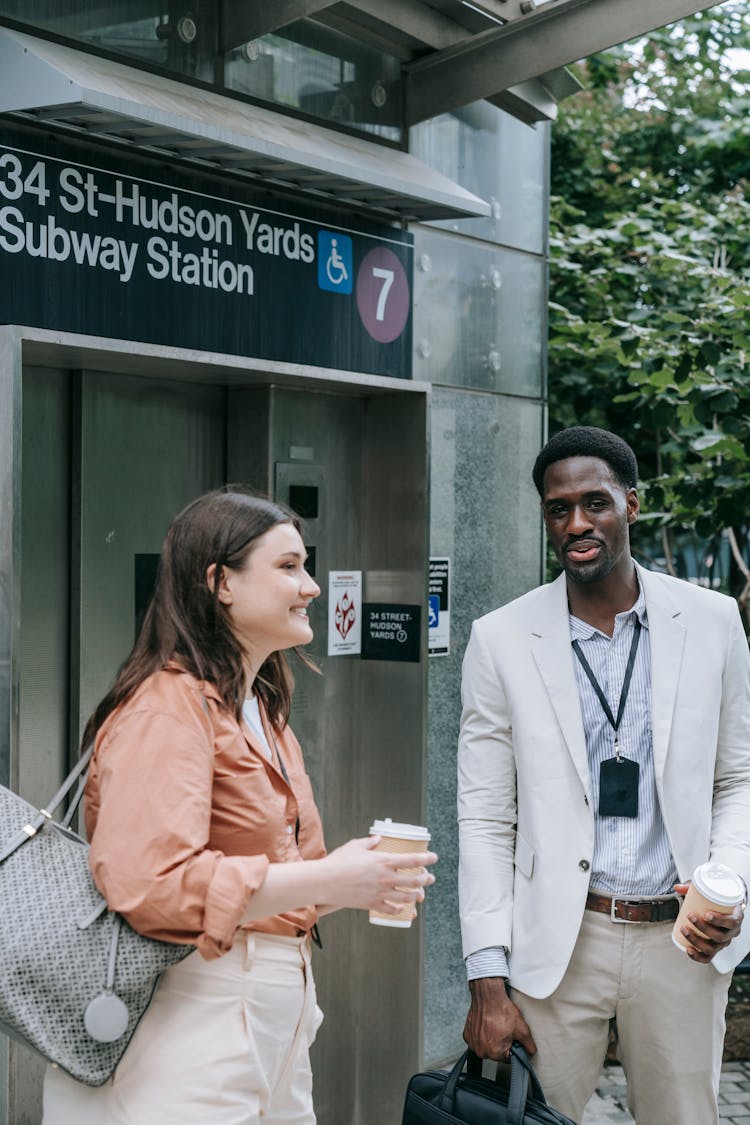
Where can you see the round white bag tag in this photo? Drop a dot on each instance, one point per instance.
(106, 1018)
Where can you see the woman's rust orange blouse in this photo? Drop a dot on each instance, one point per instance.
(185, 812)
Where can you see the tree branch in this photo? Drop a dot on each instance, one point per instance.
(667, 548)
(741, 564)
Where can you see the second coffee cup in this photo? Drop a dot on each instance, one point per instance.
(715, 889)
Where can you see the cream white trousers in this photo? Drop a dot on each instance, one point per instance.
(224, 1042)
(670, 1022)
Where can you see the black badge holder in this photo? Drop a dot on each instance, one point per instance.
(618, 776)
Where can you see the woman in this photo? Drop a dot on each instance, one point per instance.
(199, 813)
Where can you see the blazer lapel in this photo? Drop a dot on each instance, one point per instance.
(553, 655)
(667, 637)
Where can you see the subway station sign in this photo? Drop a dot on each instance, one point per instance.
(108, 242)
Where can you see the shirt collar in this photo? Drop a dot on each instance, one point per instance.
(583, 631)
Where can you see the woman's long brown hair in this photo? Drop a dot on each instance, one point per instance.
(187, 622)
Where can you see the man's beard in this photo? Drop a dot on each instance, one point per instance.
(584, 573)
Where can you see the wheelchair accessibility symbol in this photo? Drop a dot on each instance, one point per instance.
(433, 613)
(335, 260)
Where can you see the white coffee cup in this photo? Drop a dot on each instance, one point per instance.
(715, 889)
(399, 839)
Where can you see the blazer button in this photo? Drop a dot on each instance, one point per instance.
(584, 865)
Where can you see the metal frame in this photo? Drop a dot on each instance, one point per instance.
(510, 52)
(49, 82)
(20, 346)
(45, 347)
(532, 46)
(10, 546)
(242, 23)
(10, 591)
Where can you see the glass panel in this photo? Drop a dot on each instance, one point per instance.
(310, 68)
(306, 67)
(497, 158)
(483, 448)
(479, 314)
(160, 32)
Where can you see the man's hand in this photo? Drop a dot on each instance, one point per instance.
(494, 1022)
(714, 931)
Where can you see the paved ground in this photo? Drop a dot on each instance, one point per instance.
(607, 1107)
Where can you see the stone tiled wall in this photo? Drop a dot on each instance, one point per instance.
(479, 337)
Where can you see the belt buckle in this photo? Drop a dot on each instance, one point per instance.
(613, 917)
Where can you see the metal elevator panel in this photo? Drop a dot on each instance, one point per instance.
(41, 758)
(359, 464)
(45, 583)
(361, 723)
(146, 448)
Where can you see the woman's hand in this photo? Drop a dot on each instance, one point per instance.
(365, 879)
(353, 875)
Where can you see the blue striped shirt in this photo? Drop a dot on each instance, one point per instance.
(632, 855)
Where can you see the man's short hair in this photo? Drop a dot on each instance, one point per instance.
(588, 441)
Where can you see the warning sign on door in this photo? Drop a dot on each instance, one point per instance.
(438, 608)
(344, 612)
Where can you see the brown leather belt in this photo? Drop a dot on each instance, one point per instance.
(634, 909)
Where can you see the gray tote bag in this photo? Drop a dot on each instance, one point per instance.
(75, 979)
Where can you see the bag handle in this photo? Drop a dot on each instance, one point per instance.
(522, 1076)
(79, 768)
(449, 1090)
(29, 830)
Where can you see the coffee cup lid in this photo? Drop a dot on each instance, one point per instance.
(719, 884)
(390, 827)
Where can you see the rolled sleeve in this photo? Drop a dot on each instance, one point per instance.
(227, 898)
(150, 854)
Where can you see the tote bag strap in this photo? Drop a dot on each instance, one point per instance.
(37, 822)
(79, 773)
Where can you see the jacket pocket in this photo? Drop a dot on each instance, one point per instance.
(524, 857)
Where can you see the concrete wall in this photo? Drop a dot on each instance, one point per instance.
(480, 290)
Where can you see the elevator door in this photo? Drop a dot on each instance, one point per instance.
(108, 460)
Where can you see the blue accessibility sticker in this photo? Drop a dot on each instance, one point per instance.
(433, 616)
(335, 262)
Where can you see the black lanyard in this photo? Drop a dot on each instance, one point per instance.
(614, 722)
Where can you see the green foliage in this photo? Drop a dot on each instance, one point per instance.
(650, 279)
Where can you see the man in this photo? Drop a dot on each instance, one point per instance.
(604, 754)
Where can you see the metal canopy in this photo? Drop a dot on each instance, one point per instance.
(453, 52)
(534, 45)
(46, 81)
(512, 53)
(408, 30)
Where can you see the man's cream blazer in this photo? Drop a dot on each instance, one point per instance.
(526, 825)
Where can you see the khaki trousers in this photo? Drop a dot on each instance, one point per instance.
(670, 1023)
(224, 1042)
